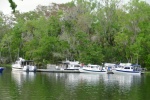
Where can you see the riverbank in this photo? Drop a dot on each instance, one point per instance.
(147, 72)
(5, 65)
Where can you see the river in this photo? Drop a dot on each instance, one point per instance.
(73, 86)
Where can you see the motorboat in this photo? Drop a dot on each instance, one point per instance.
(24, 65)
(1, 69)
(69, 65)
(92, 69)
(129, 68)
(110, 66)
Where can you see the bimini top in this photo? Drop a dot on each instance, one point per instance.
(70, 62)
(92, 65)
(125, 64)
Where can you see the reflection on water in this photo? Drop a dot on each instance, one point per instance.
(124, 81)
(74, 79)
(17, 85)
(20, 77)
(99, 86)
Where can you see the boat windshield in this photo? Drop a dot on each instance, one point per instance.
(76, 65)
(27, 62)
(126, 67)
(94, 66)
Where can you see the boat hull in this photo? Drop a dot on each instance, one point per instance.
(25, 68)
(17, 69)
(1, 69)
(91, 71)
(128, 72)
(71, 69)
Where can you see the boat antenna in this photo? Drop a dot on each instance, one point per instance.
(137, 59)
(18, 52)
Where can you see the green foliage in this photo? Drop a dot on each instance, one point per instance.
(92, 54)
(89, 31)
(12, 5)
(54, 28)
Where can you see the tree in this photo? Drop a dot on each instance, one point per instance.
(12, 5)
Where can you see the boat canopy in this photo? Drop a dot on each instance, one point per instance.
(70, 62)
(136, 65)
(27, 62)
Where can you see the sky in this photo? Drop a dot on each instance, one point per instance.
(26, 5)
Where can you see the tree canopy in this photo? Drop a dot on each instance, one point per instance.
(88, 31)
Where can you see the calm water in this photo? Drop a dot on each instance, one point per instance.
(73, 86)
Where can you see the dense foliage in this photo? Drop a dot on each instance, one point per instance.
(88, 31)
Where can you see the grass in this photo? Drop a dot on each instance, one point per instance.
(147, 72)
(5, 65)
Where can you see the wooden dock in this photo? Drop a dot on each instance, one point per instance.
(58, 71)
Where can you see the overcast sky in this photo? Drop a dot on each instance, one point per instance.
(27, 5)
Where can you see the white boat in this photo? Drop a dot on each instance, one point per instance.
(129, 68)
(110, 66)
(92, 69)
(24, 65)
(69, 65)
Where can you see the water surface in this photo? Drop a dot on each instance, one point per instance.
(73, 86)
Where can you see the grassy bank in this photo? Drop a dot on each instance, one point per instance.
(147, 72)
(5, 65)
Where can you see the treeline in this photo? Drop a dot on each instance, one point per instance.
(89, 31)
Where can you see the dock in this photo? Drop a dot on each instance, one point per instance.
(58, 71)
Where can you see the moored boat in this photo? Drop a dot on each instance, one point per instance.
(110, 66)
(129, 69)
(69, 65)
(92, 69)
(1, 69)
(24, 65)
